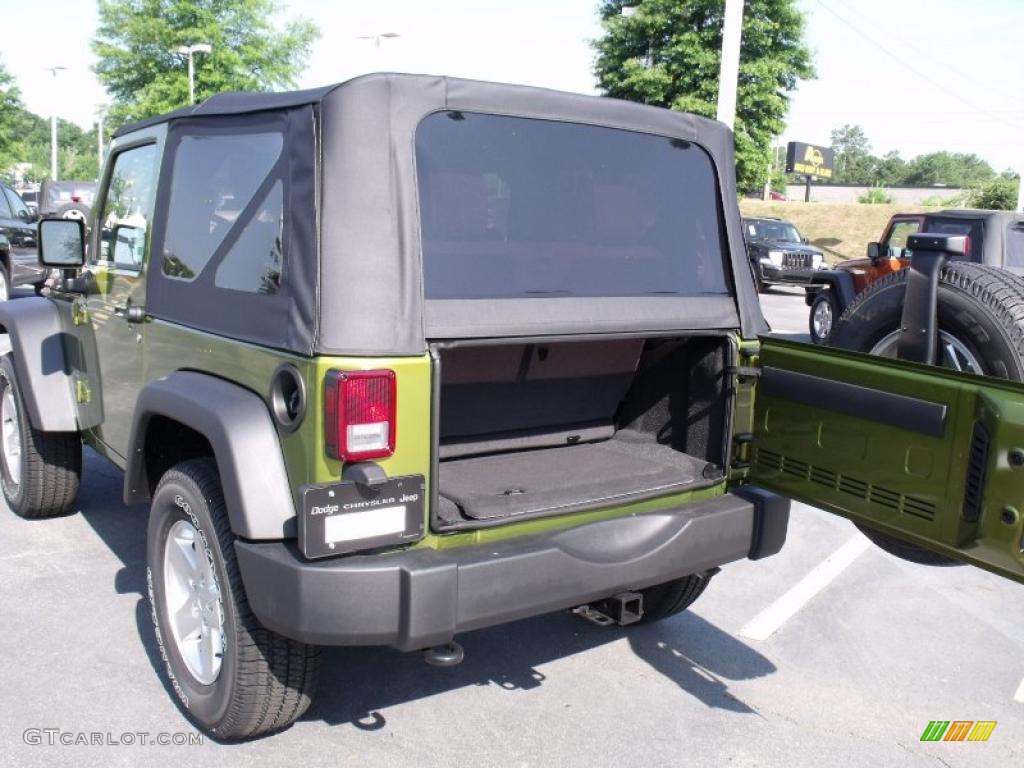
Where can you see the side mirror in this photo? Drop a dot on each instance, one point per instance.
(877, 253)
(128, 243)
(62, 243)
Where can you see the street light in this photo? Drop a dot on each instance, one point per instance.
(190, 51)
(377, 38)
(100, 110)
(53, 122)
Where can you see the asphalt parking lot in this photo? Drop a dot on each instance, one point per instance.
(831, 652)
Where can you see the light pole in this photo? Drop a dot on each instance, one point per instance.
(729, 73)
(53, 122)
(377, 38)
(190, 51)
(99, 139)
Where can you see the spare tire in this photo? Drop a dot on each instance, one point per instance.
(981, 330)
(78, 211)
(980, 310)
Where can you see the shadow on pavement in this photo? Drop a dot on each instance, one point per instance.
(358, 684)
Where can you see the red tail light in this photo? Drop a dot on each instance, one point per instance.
(359, 415)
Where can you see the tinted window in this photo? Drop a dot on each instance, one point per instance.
(972, 229)
(1015, 244)
(60, 193)
(254, 262)
(17, 204)
(782, 231)
(214, 180)
(5, 208)
(129, 205)
(901, 230)
(516, 207)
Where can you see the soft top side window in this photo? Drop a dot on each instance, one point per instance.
(215, 179)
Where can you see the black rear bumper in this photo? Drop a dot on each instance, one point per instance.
(421, 598)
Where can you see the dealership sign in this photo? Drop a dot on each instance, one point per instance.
(809, 160)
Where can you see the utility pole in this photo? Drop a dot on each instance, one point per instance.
(728, 74)
(1020, 194)
(189, 51)
(53, 122)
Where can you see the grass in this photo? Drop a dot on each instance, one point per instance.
(840, 230)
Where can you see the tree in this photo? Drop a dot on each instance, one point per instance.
(668, 52)
(953, 169)
(136, 40)
(77, 158)
(890, 169)
(11, 110)
(853, 161)
(999, 193)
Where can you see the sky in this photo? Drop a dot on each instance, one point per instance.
(918, 76)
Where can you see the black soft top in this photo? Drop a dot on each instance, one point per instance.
(355, 249)
(234, 103)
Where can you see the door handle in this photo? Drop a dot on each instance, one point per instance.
(131, 313)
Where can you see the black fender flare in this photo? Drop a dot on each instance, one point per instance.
(840, 282)
(239, 428)
(33, 325)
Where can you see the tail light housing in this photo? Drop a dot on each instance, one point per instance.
(360, 414)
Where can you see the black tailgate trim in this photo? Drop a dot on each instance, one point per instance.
(908, 413)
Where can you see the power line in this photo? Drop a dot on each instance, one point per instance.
(917, 71)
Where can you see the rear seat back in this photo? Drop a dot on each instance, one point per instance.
(516, 396)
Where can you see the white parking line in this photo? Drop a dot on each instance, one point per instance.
(764, 625)
(1019, 695)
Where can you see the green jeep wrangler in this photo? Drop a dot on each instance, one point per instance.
(409, 356)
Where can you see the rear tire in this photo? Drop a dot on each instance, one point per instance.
(39, 471)
(234, 677)
(672, 597)
(979, 307)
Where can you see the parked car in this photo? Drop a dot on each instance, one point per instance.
(19, 264)
(995, 238)
(780, 254)
(66, 199)
(30, 196)
(410, 356)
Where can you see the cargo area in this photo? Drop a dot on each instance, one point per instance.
(532, 429)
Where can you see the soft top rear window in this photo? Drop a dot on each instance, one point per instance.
(516, 207)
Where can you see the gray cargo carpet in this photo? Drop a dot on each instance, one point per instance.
(565, 479)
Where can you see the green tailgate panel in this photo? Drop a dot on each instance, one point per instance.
(931, 456)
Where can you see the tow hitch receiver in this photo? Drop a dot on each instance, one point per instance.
(622, 609)
(447, 655)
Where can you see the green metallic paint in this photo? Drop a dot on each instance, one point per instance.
(888, 477)
(170, 347)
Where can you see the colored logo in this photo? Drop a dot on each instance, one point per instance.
(958, 730)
